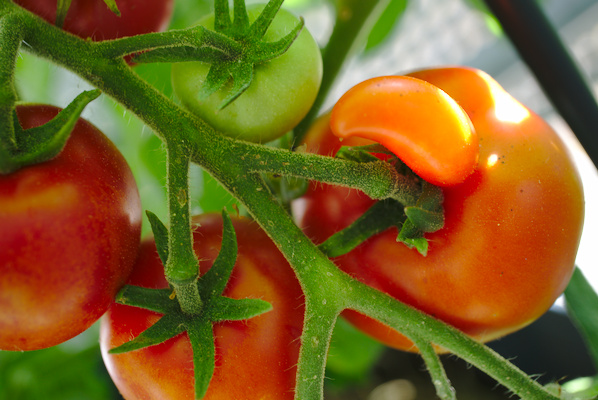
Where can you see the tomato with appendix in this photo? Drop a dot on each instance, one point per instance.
(93, 19)
(255, 358)
(511, 232)
(69, 237)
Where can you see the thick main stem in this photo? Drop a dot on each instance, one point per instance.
(182, 267)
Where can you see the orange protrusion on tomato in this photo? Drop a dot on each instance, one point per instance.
(415, 120)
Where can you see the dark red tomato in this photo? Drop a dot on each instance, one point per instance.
(255, 358)
(69, 235)
(512, 228)
(92, 18)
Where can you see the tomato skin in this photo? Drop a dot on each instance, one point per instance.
(416, 121)
(69, 233)
(511, 232)
(92, 18)
(255, 358)
(280, 95)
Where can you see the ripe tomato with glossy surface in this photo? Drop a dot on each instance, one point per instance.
(511, 232)
(93, 19)
(255, 358)
(69, 235)
(280, 95)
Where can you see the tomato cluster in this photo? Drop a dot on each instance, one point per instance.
(512, 227)
(68, 239)
(70, 232)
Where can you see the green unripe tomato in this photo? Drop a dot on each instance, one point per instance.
(281, 92)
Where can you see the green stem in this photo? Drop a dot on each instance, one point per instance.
(196, 37)
(352, 16)
(378, 180)
(420, 327)
(444, 389)
(11, 36)
(182, 267)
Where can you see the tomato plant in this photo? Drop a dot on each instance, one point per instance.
(501, 259)
(68, 239)
(254, 358)
(280, 95)
(500, 225)
(93, 19)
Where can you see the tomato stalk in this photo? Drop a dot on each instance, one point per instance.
(196, 37)
(182, 265)
(379, 180)
(10, 43)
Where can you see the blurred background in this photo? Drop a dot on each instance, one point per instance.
(410, 35)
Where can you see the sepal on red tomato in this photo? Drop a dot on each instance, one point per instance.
(174, 321)
(427, 215)
(36, 145)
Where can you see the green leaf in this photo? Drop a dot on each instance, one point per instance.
(413, 237)
(165, 328)
(360, 154)
(227, 309)
(62, 8)
(388, 20)
(113, 7)
(201, 336)
(255, 51)
(222, 22)
(214, 197)
(45, 142)
(160, 235)
(381, 216)
(582, 305)
(213, 282)
(259, 27)
(425, 220)
(157, 300)
(352, 354)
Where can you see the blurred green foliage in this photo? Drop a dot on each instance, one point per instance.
(71, 371)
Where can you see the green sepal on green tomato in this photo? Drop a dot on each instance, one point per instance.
(279, 96)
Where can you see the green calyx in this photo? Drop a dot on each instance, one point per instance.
(425, 215)
(215, 307)
(255, 50)
(233, 48)
(23, 147)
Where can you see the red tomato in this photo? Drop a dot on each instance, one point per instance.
(93, 19)
(511, 233)
(255, 358)
(437, 141)
(69, 235)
